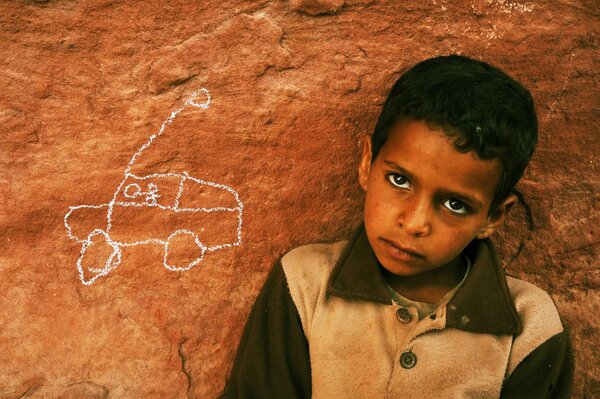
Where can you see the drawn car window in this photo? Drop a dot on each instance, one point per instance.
(159, 190)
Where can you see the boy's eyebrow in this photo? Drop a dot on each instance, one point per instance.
(399, 168)
(474, 202)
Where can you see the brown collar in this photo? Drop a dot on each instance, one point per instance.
(482, 303)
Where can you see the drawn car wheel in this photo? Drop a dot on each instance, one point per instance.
(177, 235)
(111, 262)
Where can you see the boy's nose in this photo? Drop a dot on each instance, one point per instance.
(415, 218)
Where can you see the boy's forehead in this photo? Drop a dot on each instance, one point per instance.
(430, 153)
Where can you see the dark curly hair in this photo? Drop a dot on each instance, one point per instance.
(483, 108)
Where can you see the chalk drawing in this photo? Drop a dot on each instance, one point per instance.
(563, 87)
(507, 7)
(502, 6)
(488, 31)
(143, 192)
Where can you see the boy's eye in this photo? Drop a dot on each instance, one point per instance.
(398, 180)
(455, 206)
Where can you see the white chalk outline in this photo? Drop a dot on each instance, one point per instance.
(151, 201)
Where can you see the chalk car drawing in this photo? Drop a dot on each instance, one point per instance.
(151, 209)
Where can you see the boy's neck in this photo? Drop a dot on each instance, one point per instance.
(430, 286)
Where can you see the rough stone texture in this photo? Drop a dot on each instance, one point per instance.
(85, 83)
(316, 7)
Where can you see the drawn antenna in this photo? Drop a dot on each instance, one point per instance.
(190, 101)
(195, 94)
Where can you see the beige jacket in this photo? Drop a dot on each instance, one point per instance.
(496, 337)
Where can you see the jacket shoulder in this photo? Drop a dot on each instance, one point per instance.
(539, 317)
(307, 270)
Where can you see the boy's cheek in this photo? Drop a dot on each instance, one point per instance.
(373, 205)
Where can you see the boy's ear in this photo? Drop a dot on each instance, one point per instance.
(364, 166)
(497, 217)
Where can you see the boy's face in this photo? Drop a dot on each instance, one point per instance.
(425, 201)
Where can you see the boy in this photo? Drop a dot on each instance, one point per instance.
(415, 304)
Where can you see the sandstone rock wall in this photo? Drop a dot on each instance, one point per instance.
(293, 85)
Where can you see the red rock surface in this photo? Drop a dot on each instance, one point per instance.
(294, 85)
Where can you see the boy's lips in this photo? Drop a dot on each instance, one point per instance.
(401, 252)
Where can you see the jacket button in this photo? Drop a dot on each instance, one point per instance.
(408, 360)
(403, 315)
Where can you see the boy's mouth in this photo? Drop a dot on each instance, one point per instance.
(398, 251)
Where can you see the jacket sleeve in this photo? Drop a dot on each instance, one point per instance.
(547, 372)
(272, 360)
